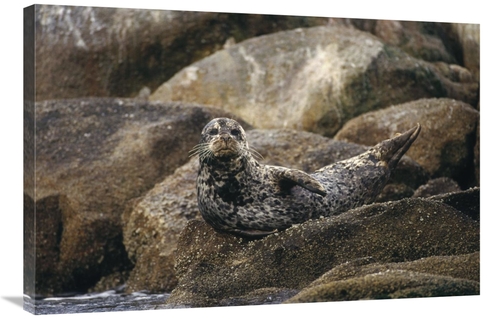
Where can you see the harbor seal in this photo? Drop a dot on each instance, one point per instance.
(238, 195)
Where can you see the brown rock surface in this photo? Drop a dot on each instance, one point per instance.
(92, 51)
(212, 266)
(92, 156)
(437, 186)
(468, 36)
(466, 201)
(426, 277)
(429, 41)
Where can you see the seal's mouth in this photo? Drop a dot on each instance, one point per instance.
(225, 148)
(224, 152)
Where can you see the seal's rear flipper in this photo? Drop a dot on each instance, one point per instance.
(287, 178)
(393, 149)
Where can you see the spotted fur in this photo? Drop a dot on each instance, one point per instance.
(237, 194)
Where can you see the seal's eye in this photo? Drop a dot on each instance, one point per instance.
(213, 131)
(235, 132)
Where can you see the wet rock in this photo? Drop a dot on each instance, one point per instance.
(312, 79)
(152, 225)
(394, 191)
(114, 281)
(92, 156)
(460, 266)
(91, 51)
(213, 267)
(466, 201)
(264, 296)
(445, 146)
(428, 277)
(437, 186)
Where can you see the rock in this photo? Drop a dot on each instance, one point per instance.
(445, 146)
(312, 79)
(437, 186)
(466, 201)
(92, 156)
(429, 41)
(153, 223)
(91, 51)
(468, 36)
(394, 191)
(152, 227)
(428, 277)
(264, 296)
(213, 267)
(459, 266)
(29, 245)
(477, 161)
(115, 281)
(47, 230)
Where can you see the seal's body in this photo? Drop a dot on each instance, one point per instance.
(236, 194)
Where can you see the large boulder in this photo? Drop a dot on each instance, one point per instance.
(456, 44)
(429, 41)
(213, 267)
(151, 227)
(313, 79)
(92, 156)
(92, 51)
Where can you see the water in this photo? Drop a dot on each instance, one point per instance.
(97, 302)
(115, 300)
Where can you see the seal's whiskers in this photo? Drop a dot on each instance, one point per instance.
(255, 153)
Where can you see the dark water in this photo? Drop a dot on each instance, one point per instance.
(96, 302)
(114, 300)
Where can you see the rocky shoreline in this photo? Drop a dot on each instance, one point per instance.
(115, 201)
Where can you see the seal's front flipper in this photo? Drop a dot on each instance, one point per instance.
(287, 178)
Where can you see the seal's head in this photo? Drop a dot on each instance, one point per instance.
(222, 139)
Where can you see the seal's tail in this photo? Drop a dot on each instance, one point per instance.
(393, 149)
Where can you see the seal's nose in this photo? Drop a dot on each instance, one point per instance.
(225, 137)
